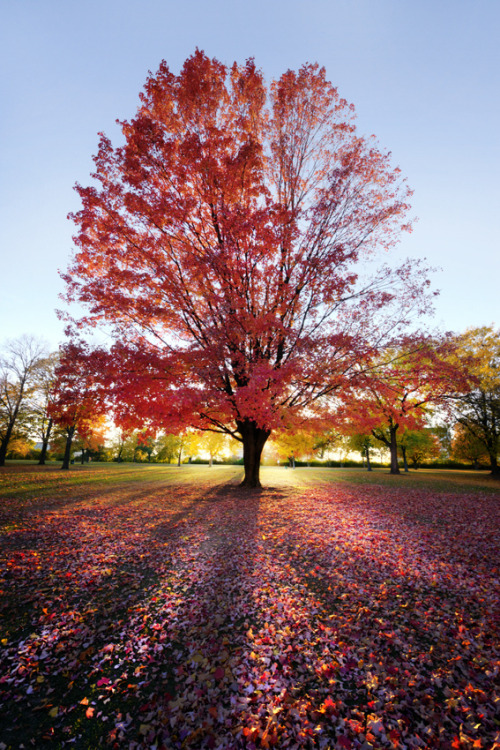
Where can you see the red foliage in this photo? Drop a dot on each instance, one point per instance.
(77, 403)
(396, 392)
(77, 397)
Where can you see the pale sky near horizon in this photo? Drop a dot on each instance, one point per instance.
(424, 78)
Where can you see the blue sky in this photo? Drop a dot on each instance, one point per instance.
(424, 78)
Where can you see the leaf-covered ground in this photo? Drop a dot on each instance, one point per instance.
(166, 608)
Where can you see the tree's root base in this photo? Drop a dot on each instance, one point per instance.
(251, 485)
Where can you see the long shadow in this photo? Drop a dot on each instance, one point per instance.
(73, 615)
(208, 637)
(226, 649)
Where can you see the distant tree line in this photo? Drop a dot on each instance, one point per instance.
(53, 404)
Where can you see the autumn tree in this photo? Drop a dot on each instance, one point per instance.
(467, 447)
(226, 243)
(41, 418)
(20, 447)
(76, 405)
(166, 447)
(396, 393)
(295, 444)
(363, 443)
(214, 444)
(90, 438)
(418, 446)
(326, 440)
(478, 407)
(187, 444)
(124, 446)
(19, 364)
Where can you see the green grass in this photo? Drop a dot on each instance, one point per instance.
(440, 480)
(28, 481)
(21, 478)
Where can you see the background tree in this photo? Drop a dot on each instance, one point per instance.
(76, 405)
(225, 243)
(19, 363)
(294, 444)
(418, 446)
(467, 447)
(478, 407)
(443, 432)
(362, 443)
(41, 400)
(325, 441)
(187, 444)
(145, 447)
(166, 447)
(20, 447)
(91, 439)
(214, 443)
(397, 392)
(124, 447)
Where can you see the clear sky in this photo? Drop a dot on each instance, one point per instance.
(423, 75)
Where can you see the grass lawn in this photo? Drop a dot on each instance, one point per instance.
(163, 607)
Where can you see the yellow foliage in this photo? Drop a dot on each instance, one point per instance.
(481, 348)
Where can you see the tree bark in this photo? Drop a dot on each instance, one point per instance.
(391, 443)
(67, 450)
(394, 450)
(405, 462)
(45, 444)
(368, 464)
(254, 439)
(5, 443)
(12, 420)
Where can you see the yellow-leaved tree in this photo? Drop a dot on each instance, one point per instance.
(478, 409)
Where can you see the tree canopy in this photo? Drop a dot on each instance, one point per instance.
(478, 408)
(397, 391)
(21, 361)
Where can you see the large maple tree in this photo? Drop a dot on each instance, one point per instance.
(227, 242)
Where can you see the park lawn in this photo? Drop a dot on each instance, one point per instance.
(151, 606)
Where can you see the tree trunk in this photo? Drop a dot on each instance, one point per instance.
(5, 444)
(368, 464)
(67, 450)
(394, 450)
(254, 439)
(45, 444)
(391, 443)
(405, 462)
(495, 468)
